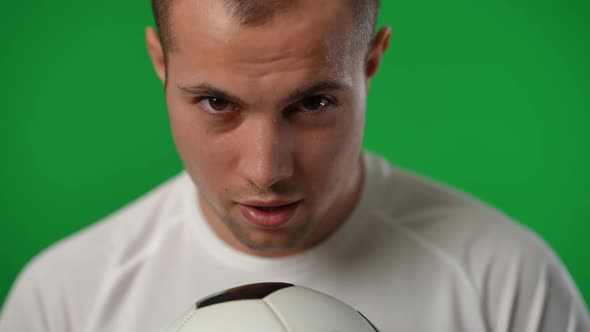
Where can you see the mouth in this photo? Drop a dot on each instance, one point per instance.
(269, 215)
(268, 208)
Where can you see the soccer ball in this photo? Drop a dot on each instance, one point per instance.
(271, 307)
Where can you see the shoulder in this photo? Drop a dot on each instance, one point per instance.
(74, 268)
(512, 269)
(444, 217)
(125, 228)
(452, 223)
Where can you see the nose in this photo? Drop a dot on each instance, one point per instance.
(266, 157)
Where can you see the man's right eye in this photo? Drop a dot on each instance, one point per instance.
(215, 105)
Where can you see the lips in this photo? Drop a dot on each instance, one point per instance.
(270, 215)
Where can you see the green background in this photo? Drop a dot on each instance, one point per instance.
(492, 97)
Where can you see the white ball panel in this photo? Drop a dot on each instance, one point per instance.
(234, 316)
(305, 310)
(180, 321)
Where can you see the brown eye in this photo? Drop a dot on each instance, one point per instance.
(315, 103)
(217, 104)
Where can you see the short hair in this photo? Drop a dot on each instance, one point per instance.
(258, 12)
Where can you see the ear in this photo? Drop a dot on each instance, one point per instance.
(378, 47)
(156, 52)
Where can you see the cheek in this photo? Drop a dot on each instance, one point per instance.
(206, 157)
(186, 133)
(329, 157)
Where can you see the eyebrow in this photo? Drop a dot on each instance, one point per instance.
(307, 91)
(315, 88)
(209, 90)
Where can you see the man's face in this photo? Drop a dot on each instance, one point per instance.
(269, 119)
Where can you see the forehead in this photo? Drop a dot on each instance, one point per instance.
(309, 34)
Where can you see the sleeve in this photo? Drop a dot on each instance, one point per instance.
(529, 290)
(23, 309)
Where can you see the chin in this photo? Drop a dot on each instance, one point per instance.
(272, 242)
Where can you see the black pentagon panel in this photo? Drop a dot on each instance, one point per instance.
(373, 326)
(246, 292)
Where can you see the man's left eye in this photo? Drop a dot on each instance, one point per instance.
(315, 103)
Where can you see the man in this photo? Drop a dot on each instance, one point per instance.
(267, 105)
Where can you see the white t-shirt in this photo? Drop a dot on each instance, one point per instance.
(413, 256)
